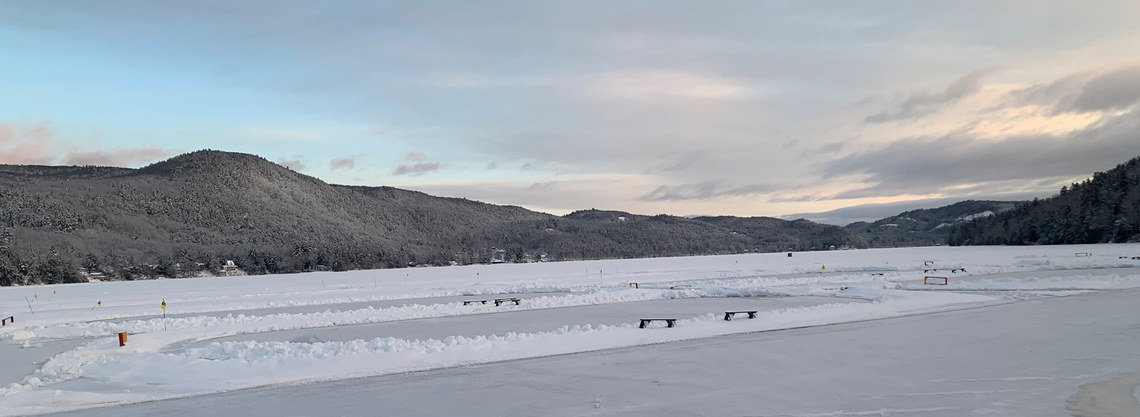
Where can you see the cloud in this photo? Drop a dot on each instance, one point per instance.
(26, 145)
(656, 84)
(293, 164)
(492, 165)
(338, 163)
(119, 157)
(963, 164)
(27, 154)
(1049, 94)
(6, 134)
(1114, 90)
(414, 157)
(36, 144)
(348, 162)
(827, 148)
(542, 186)
(681, 163)
(921, 104)
(417, 169)
(706, 190)
(1084, 92)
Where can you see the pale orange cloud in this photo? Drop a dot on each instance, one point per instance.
(119, 157)
(5, 133)
(30, 153)
(28, 145)
(25, 143)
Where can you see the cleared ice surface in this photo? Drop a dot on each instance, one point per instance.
(317, 308)
(1011, 360)
(154, 364)
(22, 359)
(1111, 397)
(532, 320)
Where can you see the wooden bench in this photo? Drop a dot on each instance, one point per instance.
(729, 314)
(499, 301)
(5, 321)
(668, 322)
(956, 270)
(466, 302)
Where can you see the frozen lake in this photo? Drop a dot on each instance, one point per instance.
(1039, 331)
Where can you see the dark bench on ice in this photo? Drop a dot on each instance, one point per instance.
(729, 314)
(499, 301)
(668, 322)
(466, 302)
(953, 270)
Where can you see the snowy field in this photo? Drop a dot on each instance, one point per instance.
(1016, 331)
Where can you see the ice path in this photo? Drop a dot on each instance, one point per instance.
(1114, 397)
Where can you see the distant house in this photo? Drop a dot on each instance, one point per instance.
(498, 256)
(229, 269)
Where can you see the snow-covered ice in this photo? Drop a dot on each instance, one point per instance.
(230, 333)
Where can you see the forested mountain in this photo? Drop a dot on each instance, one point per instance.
(188, 215)
(767, 234)
(1105, 208)
(924, 227)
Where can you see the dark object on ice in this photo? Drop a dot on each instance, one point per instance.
(499, 301)
(668, 322)
(728, 314)
(955, 270)
(466, 302)
(5, 321)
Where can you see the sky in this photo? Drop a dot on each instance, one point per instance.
(675, 107)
